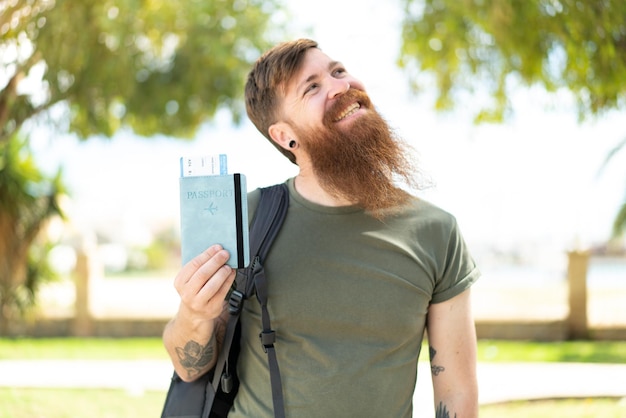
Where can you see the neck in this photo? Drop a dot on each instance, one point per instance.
(308, 186)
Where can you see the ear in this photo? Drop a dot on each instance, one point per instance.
(281, 133)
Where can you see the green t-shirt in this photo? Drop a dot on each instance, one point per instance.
(348, 297)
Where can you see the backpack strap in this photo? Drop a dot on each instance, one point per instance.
(268, 218)
(266, 223)
(268, 337)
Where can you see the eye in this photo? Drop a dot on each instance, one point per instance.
(339, 71)
(311, 87)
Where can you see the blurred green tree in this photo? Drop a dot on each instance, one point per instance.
(573, 45)
(91, 67)
(34, 200)
(155, 66)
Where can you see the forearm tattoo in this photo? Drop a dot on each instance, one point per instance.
(194, 357)
(442, 411)
(435, 369)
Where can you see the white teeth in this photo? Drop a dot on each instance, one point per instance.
(349, 111)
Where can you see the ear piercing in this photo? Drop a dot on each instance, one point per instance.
(292, 144)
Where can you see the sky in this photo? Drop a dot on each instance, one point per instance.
(531, 185)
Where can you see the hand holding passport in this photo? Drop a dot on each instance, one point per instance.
(213, 209)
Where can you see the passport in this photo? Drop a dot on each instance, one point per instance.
(214, 210)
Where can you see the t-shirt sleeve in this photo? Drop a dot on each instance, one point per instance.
(456, 270)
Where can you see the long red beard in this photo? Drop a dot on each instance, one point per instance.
(362, 162)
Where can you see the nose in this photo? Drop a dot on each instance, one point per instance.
(338, 88)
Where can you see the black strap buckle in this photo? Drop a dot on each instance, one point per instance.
(235, 302)
(268, 338)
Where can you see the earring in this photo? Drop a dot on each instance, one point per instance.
(292, 144)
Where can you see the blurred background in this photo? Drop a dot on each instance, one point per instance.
(515, 112)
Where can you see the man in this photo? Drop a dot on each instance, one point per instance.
(357, 273)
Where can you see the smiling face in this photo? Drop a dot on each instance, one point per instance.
(350, 147)
(315, 96)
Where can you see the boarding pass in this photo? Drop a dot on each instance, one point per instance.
(209, 165)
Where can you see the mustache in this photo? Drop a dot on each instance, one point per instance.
(342, 102)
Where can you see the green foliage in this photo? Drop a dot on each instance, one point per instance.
(573, 45)
(156, 66)
(94, 67)
(28, 199)
(576, 45)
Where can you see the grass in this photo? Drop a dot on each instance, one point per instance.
(81, 348)
(152, 348)
(45, 403)
(77, 403)
(65, 403)
(562, 351)
(571, 408)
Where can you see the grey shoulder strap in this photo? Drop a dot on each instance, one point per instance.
(266, 223)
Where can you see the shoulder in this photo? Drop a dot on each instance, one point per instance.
(427, 225)
(254, 197)
(425, 214)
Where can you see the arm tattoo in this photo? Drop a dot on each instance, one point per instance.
(435, 369)
(194, 357)
(442, 411)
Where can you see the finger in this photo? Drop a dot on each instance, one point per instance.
(209, 276)
(192, 266)
(228, 283)
(218, 287)
(211, 299)
(211, 265)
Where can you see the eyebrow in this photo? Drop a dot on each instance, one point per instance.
(312, 77)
